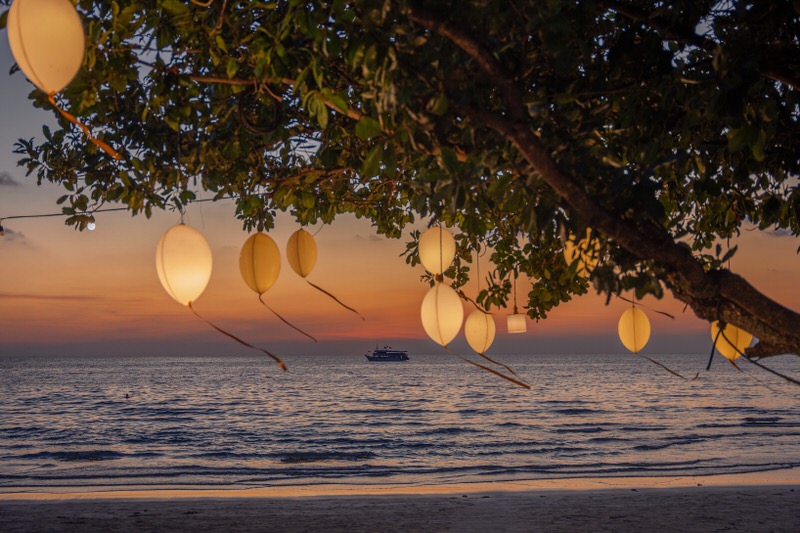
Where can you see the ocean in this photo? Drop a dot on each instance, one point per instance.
(224, 422)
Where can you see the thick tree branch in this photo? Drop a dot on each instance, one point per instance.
(714, 295)
(485, 60)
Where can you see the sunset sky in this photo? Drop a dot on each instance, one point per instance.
(67, 292)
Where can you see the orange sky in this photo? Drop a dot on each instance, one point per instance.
(62, 291)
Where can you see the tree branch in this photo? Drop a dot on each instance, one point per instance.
(485, 60)
(714, 295)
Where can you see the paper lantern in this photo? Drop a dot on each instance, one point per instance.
(517, 323)
(479, 329)
(586, 251)
(634, 329)
(301, 252)
(260, 262)
(734, 343)
(183, 262)
(46, 39)
(437, 248)
(442, 314)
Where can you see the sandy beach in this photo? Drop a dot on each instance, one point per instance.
(621, 504)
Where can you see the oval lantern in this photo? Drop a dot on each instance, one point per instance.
(47, 41)
(437, 248)
(183, 262)
(442, 314)
(734, 343)
(634, 329)
(260, 262)
(301, 252)
(516, 323)
(586, 251)
(479, 329)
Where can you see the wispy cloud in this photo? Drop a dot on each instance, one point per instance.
(7, 181)
(11, 236)
(371, 237)
(48, 297)
(780, 233)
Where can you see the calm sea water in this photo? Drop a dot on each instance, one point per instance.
(238, 421)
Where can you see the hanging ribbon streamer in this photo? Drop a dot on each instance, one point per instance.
(668, 369)
(337, 300)
(240, 341)
(97, 142)
(756, 363)
(496, 373)
(260, 299)
(498, 363)
(635, 302)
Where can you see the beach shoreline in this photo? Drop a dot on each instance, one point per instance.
(760, 501)
(772, 478)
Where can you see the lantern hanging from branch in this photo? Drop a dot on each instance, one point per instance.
(301, 252)
(634, 329)
(517, 323)
(437, 248)
(441, 314)
(260, 265)
(729, 340)
(46, 39)
(585, 251)
(479, 329)
(183, 263)
(260, 262)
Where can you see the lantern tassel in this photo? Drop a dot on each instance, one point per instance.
(498, 363)
(284, 320)
(665, 367)
(634, 302)
(496, 373)
(337, 300)
(759, 365)
(240, 341)
(97, 142)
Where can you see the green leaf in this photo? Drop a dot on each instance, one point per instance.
(372, 162)
(175, 7)
(367, 128)
(3, 19)
(231, 68)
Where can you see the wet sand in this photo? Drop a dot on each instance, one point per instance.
(632, 504)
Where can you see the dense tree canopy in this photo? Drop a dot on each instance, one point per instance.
(665, 127)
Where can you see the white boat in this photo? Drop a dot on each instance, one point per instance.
(387, 354)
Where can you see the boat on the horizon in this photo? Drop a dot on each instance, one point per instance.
(386, 354)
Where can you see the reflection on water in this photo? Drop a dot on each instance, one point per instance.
(237, 421)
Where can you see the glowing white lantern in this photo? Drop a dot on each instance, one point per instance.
(442, 314)
(479, 329)
(46, 39)
(734, 342)
(183, 262)
(437, 248)
(634, 329)
(517, 323)
(260, 262)
(301, 252)
(586, 251)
